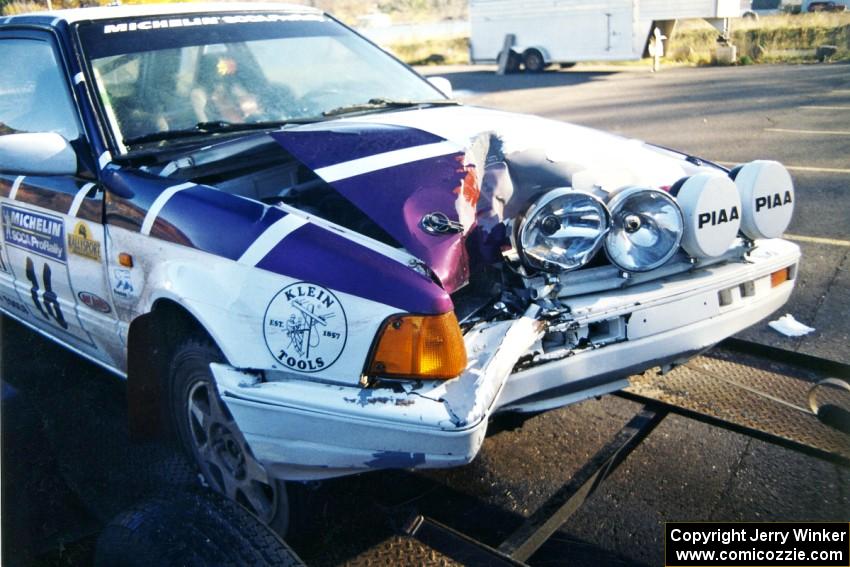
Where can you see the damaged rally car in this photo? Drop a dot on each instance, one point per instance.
(310, 262)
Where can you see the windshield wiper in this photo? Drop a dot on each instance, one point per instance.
(387, 104)
(214, 127)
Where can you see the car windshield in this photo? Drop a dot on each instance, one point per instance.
(189, 74)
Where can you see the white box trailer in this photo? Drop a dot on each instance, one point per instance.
(567, 31)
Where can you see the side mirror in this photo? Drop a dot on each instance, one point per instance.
(443, 85)
(41, 153)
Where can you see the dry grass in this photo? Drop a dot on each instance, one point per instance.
(22, 7)
(772, 39)
(401, 11)
(346, 10)
(448, 51)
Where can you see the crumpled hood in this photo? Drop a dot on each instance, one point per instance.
(477, 167)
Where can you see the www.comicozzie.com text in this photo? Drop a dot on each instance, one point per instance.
(727, 536)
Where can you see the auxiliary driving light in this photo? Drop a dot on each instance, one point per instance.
(563, 230)
(647, 226)
(767, 196)
(711, 205)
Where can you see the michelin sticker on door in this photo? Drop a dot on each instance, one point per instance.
(36, 232)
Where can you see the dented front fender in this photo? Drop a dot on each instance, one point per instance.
(304, 430)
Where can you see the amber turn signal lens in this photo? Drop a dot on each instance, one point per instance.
(419, 346)
(780, 277)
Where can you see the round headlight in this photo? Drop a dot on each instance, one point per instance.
(646, 229)
(563, 230)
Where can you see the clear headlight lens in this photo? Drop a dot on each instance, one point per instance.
(563, 230)
(647, 226)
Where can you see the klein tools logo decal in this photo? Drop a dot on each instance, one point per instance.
(81, 243)
(305, 327)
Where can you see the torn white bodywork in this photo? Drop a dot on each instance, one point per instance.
(305, 430)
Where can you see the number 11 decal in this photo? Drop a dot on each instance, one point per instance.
(49, 299)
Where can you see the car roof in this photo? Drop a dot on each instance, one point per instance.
(53, 17)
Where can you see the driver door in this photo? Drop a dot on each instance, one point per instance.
(52, 252)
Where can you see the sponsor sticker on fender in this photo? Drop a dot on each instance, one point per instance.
(81, 242)
(305, 327)
(94, 301)
(13, 304)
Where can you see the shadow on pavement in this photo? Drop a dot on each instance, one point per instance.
(483, 82)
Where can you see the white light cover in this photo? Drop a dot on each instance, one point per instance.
(711, 205)
(767, 198)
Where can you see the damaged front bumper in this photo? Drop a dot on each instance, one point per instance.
(303, 430)
(307, 430)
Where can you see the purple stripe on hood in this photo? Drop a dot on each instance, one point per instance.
(217, 222)
(396, 198)
(314, 254)
(323, 145)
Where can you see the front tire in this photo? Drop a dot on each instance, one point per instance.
(210, 436)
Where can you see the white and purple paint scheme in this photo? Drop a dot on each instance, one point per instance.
(323, 267)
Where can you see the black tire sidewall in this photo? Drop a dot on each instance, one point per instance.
(188, 366)
(189, 529)
(534, 56)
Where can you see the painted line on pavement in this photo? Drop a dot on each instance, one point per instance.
(797, 168)
(813, 132)
(818, 240)
(815, 107)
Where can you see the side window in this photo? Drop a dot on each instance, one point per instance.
(34, 94)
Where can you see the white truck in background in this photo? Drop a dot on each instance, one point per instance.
(547, 32)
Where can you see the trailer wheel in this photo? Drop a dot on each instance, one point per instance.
(533, 61)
